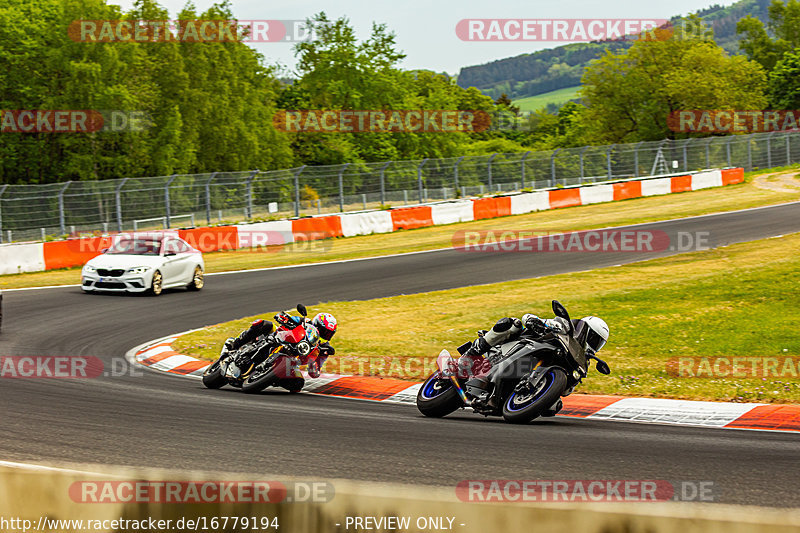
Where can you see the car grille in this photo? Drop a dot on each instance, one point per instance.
(115, 273)
(109, 285)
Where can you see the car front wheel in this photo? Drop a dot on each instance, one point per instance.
(157, 286)
(197, 280)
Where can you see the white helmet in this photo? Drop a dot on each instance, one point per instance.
(598, 333)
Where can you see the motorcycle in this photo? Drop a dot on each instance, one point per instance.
(271, 360)
(527, 378)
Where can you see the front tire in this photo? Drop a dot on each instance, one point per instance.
(157, 285)
(213, 378)
(198, 280)
(437, 397)
(521, 408)
(259, 379)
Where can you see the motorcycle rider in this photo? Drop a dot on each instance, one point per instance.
(592, 331)
(324, 322)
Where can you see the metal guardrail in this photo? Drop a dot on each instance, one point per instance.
(30, 211)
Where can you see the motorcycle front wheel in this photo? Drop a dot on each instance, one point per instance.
(262, 377)
(212, 377)
(437, 397)
(523, 406)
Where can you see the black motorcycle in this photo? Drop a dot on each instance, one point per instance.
(527, 378)
(271, 360)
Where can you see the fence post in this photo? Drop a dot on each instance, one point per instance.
(769, 149)
(208, 197)
(2, 191)
(341, 187)
(117, 197)
(383, 182)
(248, 214)
(708, 153)
(553, 167)
(455, 172)
(686, 155)
(419, 178)
(166, 201)
(61, 217)
(788, 152)
(636, 159)
(582, 152)
(608, 160)
(728, 150)
(750, 152)
(522, 167)
(489, 168)
(297, 191)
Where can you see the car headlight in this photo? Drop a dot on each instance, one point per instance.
(138, 270)
(89, 268)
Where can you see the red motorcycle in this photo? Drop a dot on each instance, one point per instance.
(274, 359)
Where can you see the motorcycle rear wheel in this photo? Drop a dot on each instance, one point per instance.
(518, 409)
(437, 397)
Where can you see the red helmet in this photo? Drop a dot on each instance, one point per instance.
(325, 324)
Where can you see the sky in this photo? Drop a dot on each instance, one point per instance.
(426, 29)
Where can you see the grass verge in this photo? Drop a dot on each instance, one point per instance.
(740, 300)
(639, 210)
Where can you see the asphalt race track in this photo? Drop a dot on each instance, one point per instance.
(152, 419)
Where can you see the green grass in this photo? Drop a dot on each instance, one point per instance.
(634, 211)
(740, 300)
(536, 102)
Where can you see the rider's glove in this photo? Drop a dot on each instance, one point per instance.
(229, 344)
(535, 324)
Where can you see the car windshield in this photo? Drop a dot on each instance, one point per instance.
(135, 247)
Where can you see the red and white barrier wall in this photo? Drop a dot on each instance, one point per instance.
(33, 257)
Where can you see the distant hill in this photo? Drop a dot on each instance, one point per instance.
(561, 67)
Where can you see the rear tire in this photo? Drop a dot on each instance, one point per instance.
(198, 280)
(213, 378)
(518, 410)
(157, 285)
(437, 397)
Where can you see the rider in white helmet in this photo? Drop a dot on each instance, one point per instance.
(592, 330)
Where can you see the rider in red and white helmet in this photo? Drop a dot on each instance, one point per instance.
(326, 326)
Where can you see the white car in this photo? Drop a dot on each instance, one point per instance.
(145, 263)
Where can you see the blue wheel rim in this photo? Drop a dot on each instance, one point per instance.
(510, 406)
(430, 389)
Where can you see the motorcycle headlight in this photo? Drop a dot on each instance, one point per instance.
(303, 348)
(138, 270)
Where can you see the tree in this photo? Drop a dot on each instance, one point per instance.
(630, 95)
(784, 24)
(784, 82)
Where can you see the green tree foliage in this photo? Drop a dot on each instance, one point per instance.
(630, 95)
(766, 45)
(784, 82)
(210, 104)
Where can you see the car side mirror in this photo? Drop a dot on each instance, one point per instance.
(302, 309)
